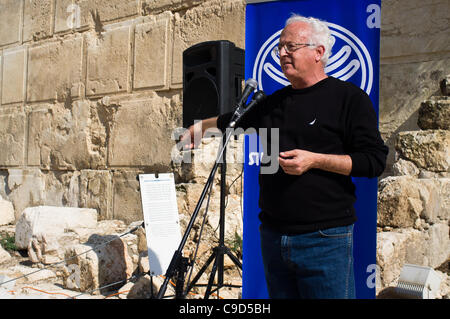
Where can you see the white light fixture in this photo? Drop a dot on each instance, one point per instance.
(418, 282)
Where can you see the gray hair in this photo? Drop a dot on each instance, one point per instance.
(320, 34)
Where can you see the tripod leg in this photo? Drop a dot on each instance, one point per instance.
(233, 258)
(211, 278)
(201, 271)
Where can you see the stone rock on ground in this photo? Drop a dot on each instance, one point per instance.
(6, 212)
(51, 221)
(404, 199)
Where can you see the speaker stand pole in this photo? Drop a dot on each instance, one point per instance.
(220, 250)
(176, 261)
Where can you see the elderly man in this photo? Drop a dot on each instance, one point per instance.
(327, 133)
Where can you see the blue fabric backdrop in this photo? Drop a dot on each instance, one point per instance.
(355, 25)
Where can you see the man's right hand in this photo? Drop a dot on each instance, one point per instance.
(194, 133)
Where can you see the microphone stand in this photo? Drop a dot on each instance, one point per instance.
(178, 264)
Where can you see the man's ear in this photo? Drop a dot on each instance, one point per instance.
(320, 51)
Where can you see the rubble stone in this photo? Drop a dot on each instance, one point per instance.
(434, 115)
(428, 149)
(48, 220)
(6, 212)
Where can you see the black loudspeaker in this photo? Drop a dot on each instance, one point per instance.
(213, 72)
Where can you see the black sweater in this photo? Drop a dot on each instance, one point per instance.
(330, 117)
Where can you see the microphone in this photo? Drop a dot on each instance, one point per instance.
(250, 86)
(257, 98)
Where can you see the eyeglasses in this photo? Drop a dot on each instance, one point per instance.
(290, 47)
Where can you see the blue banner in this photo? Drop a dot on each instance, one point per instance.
(355, 25)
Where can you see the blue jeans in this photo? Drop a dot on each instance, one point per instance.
(317, 265)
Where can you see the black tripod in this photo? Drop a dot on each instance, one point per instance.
(220, 250)
(178, 265)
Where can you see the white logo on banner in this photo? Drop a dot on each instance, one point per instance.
(350, 58)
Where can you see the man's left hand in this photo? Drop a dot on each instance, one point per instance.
(297, 162)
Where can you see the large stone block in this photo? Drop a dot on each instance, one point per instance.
(6, 212)
(429, 149)
(152, 48)
(38, 19)
(62, 62)
(391, 254)
(108, 59)
(127, 199)
(212, 20)
(74, 14)
(434, 114)
(107, 264)
(12, 138)
(402, 200)
(141, 134)
(401, 95)
(399, 31)
(27, 188)
(66, 137)
(13, 79)
(96, 192)
(10, 21)
(430, 247)
(51, 221)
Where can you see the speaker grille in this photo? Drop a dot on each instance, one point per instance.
(202, 94)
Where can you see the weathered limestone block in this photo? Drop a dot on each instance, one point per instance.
(51, 221)
(403, 199)
(4, 256)
(75, 14)
(12, 138)
(62, 62)
(142, 130)
(14, 68)
(233, 218)
(62, 188)
(430, 247)
(96, 191)
(434, 114)
(212, 20)
(48, 248)
(443, 185)
(196, 165)
(391, 253)
(153, 43)
(67, 137)
(400, 95)
(108, 61)
(403, 167)
(157, 6)
(402, 38)
(10, 21)
(38, 16)
(428, 149)
(105, 265)
(127, 197)
(6, 212)
(27, 188)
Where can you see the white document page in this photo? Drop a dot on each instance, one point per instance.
(162, 225)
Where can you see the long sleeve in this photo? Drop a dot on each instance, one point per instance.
(365, 145)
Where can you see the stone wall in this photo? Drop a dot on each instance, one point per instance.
(90, 93)
(414, 58)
